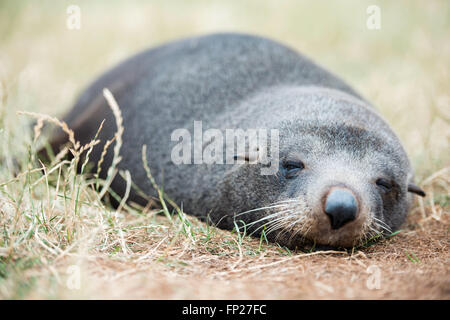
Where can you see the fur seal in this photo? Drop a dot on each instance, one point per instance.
(342, 173)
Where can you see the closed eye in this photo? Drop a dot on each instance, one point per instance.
(291, 168)
(384, 184)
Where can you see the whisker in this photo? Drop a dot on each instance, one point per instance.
(273, 215)
(277, 220)
(268, 223)
(382, 224)
(278, 225)
(278, 204)
(268, 217)
(262, 208)
(289, 228)
(274, 222)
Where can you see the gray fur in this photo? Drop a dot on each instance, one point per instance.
(242, 81)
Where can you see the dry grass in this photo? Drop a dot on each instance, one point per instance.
(53, 221)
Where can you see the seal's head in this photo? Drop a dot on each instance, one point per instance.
(349, 184)
(339, 183)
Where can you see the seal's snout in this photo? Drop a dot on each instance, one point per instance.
(341, 207)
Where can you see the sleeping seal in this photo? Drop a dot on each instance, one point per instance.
(341, 173)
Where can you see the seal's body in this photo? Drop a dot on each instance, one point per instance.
(343, 174)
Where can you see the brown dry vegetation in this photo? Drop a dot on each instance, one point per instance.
(55, 224)
(160, 262)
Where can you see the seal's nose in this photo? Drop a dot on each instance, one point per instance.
(341, 207)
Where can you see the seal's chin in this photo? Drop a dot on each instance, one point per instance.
(316, 231)
(350, 235)
(332, 240)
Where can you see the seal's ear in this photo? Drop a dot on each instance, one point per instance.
(248, 156)
(244, 157)
(416, 189)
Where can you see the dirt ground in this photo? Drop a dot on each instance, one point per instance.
(56, 245)
(413, 264)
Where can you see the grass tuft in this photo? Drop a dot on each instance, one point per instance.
(54, 221)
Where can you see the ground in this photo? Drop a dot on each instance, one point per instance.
(169, 264)
(59, 240)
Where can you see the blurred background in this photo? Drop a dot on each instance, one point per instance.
(402, 68)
